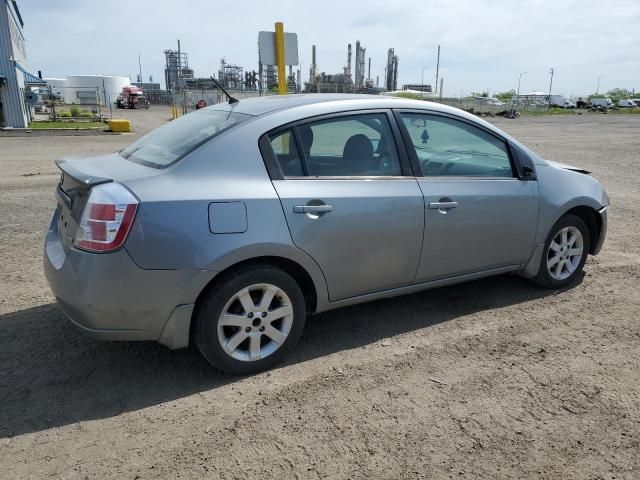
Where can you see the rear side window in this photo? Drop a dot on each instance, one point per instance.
(286, 152)
(449, 147)
(169, 143)
(350, 145)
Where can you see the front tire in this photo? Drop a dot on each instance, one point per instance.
(565, 253)
(249, 320)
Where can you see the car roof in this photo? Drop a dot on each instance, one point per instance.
(264, 105)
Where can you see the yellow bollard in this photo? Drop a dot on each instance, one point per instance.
(282, 79)
(120, 125)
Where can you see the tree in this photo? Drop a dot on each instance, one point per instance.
(505, 96)
(618, 94)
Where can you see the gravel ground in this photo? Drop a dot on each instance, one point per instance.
(491, 379)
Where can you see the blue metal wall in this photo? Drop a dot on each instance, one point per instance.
(12, 92)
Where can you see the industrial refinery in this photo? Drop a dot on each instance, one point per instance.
(355, 76)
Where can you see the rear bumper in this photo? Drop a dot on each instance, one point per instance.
(603, 230)
(110, 298)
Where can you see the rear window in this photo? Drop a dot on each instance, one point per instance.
(169, 143)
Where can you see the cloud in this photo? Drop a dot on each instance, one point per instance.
(485, 43)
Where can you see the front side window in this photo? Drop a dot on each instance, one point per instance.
(449, 147)
(354, 145)
(169, 143)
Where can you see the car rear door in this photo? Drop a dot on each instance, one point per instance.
(350, 200)
(479, 215)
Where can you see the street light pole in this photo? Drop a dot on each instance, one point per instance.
(598, 87)
(422, 84)
(550, 84)
(519, 78)
(517, 93)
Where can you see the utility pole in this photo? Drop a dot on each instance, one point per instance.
(513, 109)
(437, 68)
(140, 69)
(550, 85)
(422, 84)
(598, 87)
(519, 79)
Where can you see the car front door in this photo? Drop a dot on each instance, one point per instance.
(479, 215)
(350, 201)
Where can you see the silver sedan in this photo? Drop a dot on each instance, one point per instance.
(226, 227)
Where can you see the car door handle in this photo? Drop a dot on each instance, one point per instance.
(442, 205)
(312, 208)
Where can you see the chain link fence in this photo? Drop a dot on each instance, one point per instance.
(77, 104)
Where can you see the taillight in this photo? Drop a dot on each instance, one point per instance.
(106, 219)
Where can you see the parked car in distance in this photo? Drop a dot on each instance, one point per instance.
(495, 102)
(627, 103)
(602, 103)
(227, 226)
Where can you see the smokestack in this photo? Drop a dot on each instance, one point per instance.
(369, 71)
(437, 68)
(313, 64)
(357, 65)
(395, 73)
(390, 70)
(348, 72)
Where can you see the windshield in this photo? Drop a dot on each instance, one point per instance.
(171, 142)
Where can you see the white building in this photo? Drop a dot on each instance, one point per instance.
(83, 89)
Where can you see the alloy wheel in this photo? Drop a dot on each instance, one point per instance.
(255, 322)
(565, 253)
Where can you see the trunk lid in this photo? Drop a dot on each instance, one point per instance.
(77, 177)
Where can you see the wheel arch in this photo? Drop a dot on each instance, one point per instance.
(587, 213)
(591, 218)
(314, 291)
(291, 267)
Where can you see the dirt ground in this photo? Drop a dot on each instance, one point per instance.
(491, 379)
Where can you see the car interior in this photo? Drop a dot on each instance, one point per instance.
(360, 154)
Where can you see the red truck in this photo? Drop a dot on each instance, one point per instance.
(131, 97)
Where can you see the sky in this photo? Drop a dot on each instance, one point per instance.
(485, 44)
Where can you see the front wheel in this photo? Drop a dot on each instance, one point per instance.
(565, 253)
(248, 321)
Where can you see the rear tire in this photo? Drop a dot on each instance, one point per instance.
(565, 253)
(249, 320)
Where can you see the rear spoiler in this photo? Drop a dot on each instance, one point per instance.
(84, 178)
